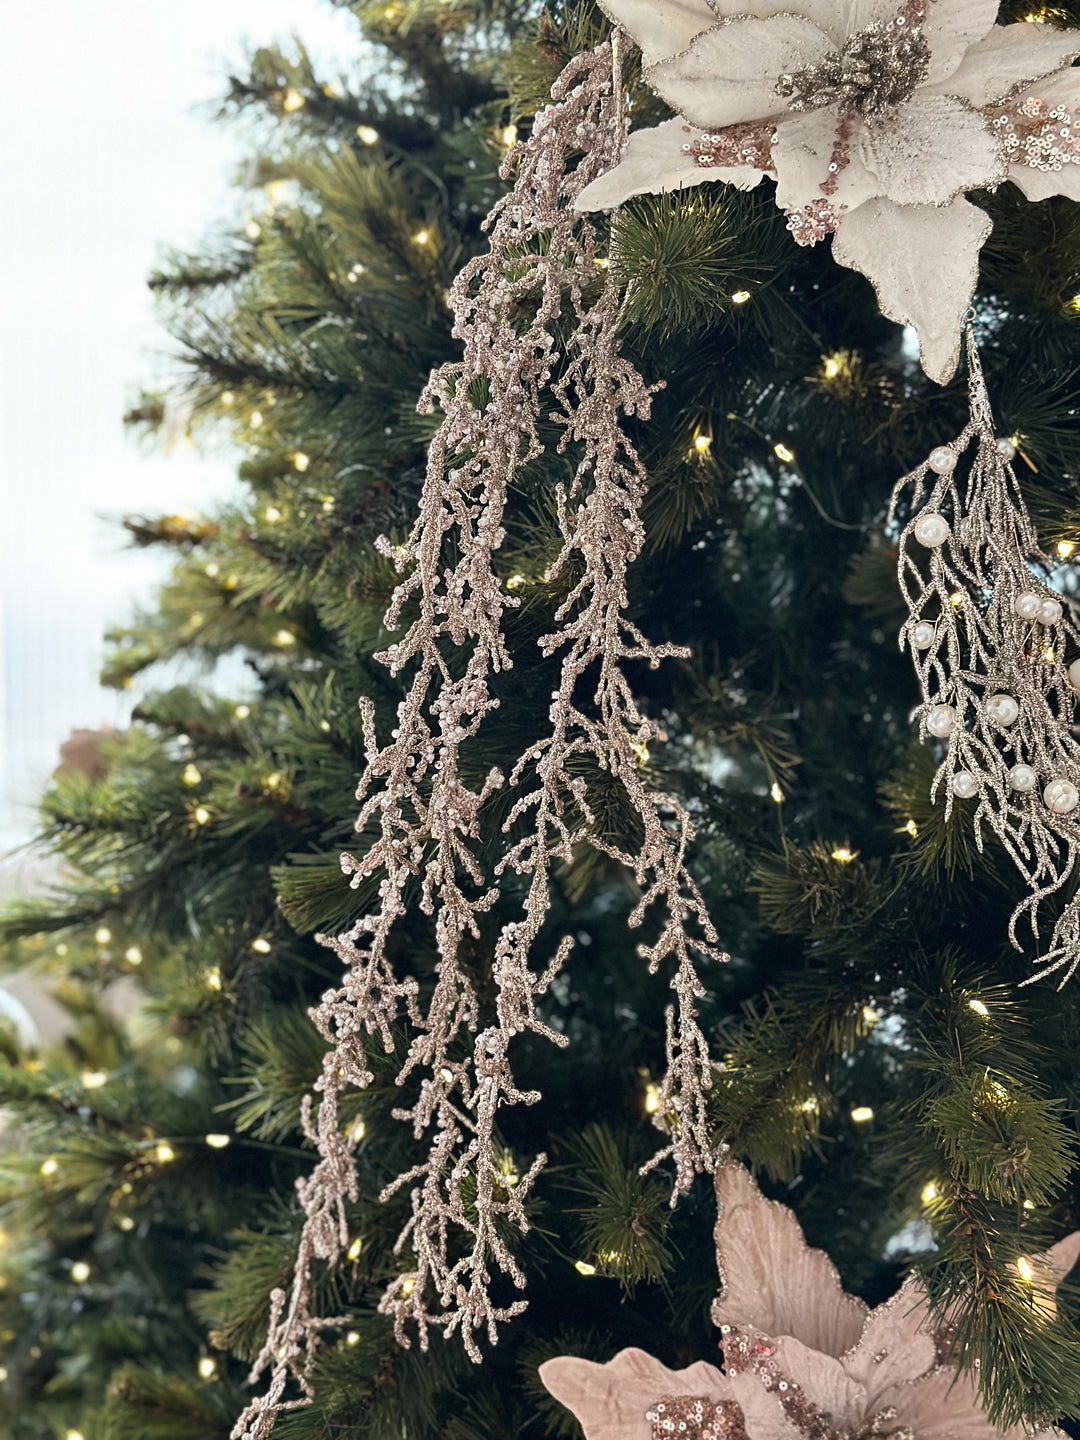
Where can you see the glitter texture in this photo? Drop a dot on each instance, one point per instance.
(733, 145)
(968, 589)
(873, 72)
(682, 1417)
(1032, 133)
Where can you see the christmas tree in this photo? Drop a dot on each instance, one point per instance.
(754, 935)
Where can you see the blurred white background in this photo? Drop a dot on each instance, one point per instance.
(109, 155)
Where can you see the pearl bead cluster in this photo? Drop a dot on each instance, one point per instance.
(1060, 796)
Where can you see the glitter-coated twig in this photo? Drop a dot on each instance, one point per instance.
(506, 304)
(988, 638)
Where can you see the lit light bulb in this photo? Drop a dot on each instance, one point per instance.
(652, 1099)
(217, 1141)
(776, 795)
(352, 1338)
(515, 582)
(979, 1008)
(271, 514)
(242, 712)
(703, 444)
(50, 1166)
(68, 1434)
(1065, 548)
(843, 855)
(862, 1114)
(509, 136)
(202, 815)
(357, 1130)
(408, 1285)
(133, 955)
(292, 100)
(929, 1193)
(164, 1152)
(324, 726)
(80, 1272)
(301, 461)
(584, 1268)
(207, 1367)
(1025, 1270)
(228, 399)
(192, 775)
(740, 297)
(126, 1222)
(284, 638)
(212, 977)
(261, 946)
(782, 452)
(93, 1079)
(355, 1248)
(102, 935)
(253, 230)
(810, 1106)
(831, 367)
(367, 134)
(212, 569)
(255, 419)
(421, 237)
(870, 1015)
(956, 599)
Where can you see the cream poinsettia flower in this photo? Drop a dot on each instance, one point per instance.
(802, 1359)
(874, 116)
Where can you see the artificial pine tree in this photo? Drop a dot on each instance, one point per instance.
(884, 1074)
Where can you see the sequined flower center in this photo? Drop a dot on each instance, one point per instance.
(686, 1417)
(876, 70)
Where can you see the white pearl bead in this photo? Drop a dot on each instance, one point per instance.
(1074, 674)
(922, 637)
(1061, 796)
(1022, 778)
(1027, 605)
(1006, 449)
(942, 459)
(1002, 709)
(1050, 612)
(964, 785)
(940, 720)
(932, 529)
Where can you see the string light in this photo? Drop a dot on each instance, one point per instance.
(255, 419)
(192, 775)
(356, 1131)
(272, 781)
(212, 977)
(584, 1268)
(50, 1166)
(862, 1114)
(703, 445)
(126, 1222)
(652, 1099)
(408, 1285)
(911, 828)
(80, 1272)
(352, 1338)
(870, 1016)
(102, 935)
(242, 712)
(93, 1079)
(810, 1106)
(979, 1008)
(929, 1193)
(69, 1434)
(324, 726)
(740, 297)
(292, 100)
(776, 795)
(301, 461)
(164, 1152)
(261, 946)
(367, 134)
(271, 514)
(515, 582)
(253, 230)
(1065, 548)
(355, 1248)
(844, 855)
(228, 399)
(212, 569)
(421, 237)
(217, 1141)
(956, 599)
(202, 815)
(207, 1367)
(1025, 1270)
(284, 638)
(781, 451)
(831, 367)
(509, 136)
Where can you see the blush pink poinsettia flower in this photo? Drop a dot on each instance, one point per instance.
(874, 116)
(802, 1359)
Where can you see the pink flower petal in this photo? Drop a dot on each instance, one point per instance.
(610, 1401)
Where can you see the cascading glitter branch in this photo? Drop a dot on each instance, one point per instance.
(989, 640)
(542, 264)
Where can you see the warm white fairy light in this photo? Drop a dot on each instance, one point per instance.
(843, 854)
(102, 935)
(301, 461)
(367, 134)
(201, 814)
(217, 1141)
(584, 1268)
(292, 100)
(740, 297)
(776, 795)
(261, 945)
(652, 1099)
(355, 1248)
(1025, 1270)
(782, 452)
(212, 977)
(352, 1337)
(862, 1114)
(192, 775)
(422, 237)
(930, 1193)
(50, 1166)
(979, 1008)
(207, 1367)
(284, 638)
(93, 1079)
(164, 1152)
(80, 1272)
(509, 135)
(242, 712)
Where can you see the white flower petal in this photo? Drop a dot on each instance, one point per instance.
(1060, 89)
(832, 17)
(729, 73)
(824, 1382)
(933, 148)
(661, 27)
(952, 26)
(610, 1400)
(653, 162)
(770, 1277)
(893, 1348)
(923, 262)
(1009, 58)
(802, 154)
